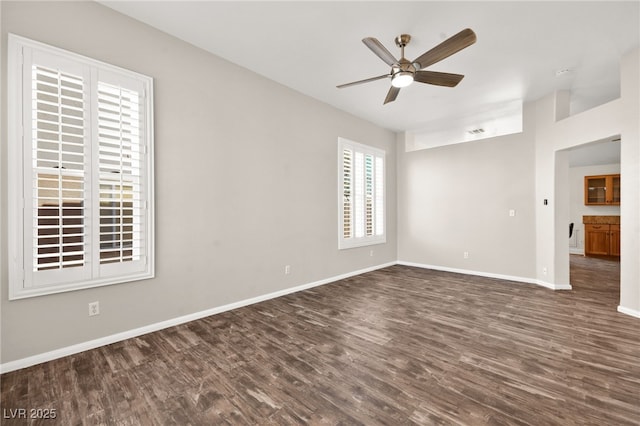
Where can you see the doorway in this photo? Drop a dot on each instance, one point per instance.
(596, 158)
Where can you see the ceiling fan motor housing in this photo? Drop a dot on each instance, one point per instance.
(402, 74)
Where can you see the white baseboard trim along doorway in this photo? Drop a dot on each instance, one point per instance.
(629, 311)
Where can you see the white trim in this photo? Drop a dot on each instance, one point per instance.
(629, 311)
(76, 57)
(14, 168)
(552, 286)
(107, 340)
(488, 275)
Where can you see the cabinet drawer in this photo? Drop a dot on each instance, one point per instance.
(592, 227)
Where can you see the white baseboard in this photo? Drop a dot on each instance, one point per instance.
(576, 251)
(629, 311)
(489, 275)
(553, 286)
(107, 340)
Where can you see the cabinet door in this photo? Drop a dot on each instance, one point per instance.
(614, 240)
(595, 190)
(615, 190)
(596, 239)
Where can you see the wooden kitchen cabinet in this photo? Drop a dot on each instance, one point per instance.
(614, 240)
(602, 240)
(603, 190)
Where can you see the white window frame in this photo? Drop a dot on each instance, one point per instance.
(24, 280)
(358, 237)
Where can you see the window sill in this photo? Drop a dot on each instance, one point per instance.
(361, 242)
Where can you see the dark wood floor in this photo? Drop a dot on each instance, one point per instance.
(396, 346)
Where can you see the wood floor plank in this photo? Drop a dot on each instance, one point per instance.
(396, 346)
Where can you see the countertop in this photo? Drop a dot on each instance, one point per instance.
(602, 220)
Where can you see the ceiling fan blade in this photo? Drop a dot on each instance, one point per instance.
(381, 51)
(438, 78)
(464, 38)
(392, 95)
(366, 80)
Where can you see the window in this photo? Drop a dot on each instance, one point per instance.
(80, 172)
(361, 194)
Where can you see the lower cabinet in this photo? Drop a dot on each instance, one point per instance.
(614, 240)
(602, 240)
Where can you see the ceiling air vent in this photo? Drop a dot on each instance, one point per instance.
(476, 131)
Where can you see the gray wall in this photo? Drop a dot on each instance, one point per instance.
(457, 198)
(246, 181)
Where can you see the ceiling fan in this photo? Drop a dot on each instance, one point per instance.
(404, 72)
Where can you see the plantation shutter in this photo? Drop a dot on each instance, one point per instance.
(379, 196)
(58, 102)
(58, 181)
(80, 172)
(122, 210)
(368, 194)
(120, 174)
(358, 201)
(347, 192)
(362, 195)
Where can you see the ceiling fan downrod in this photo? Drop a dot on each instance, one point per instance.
(401, 41)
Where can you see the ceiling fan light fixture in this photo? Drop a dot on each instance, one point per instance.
(402, 79)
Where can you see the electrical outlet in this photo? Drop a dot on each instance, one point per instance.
(94, 308)
(544, 270)
(512, 212)
(371, 253)
(287, 269)
(465, 254)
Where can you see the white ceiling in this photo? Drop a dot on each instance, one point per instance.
(605, 151)
(314, 46)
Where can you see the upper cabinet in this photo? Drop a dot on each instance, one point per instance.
(602, 190)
